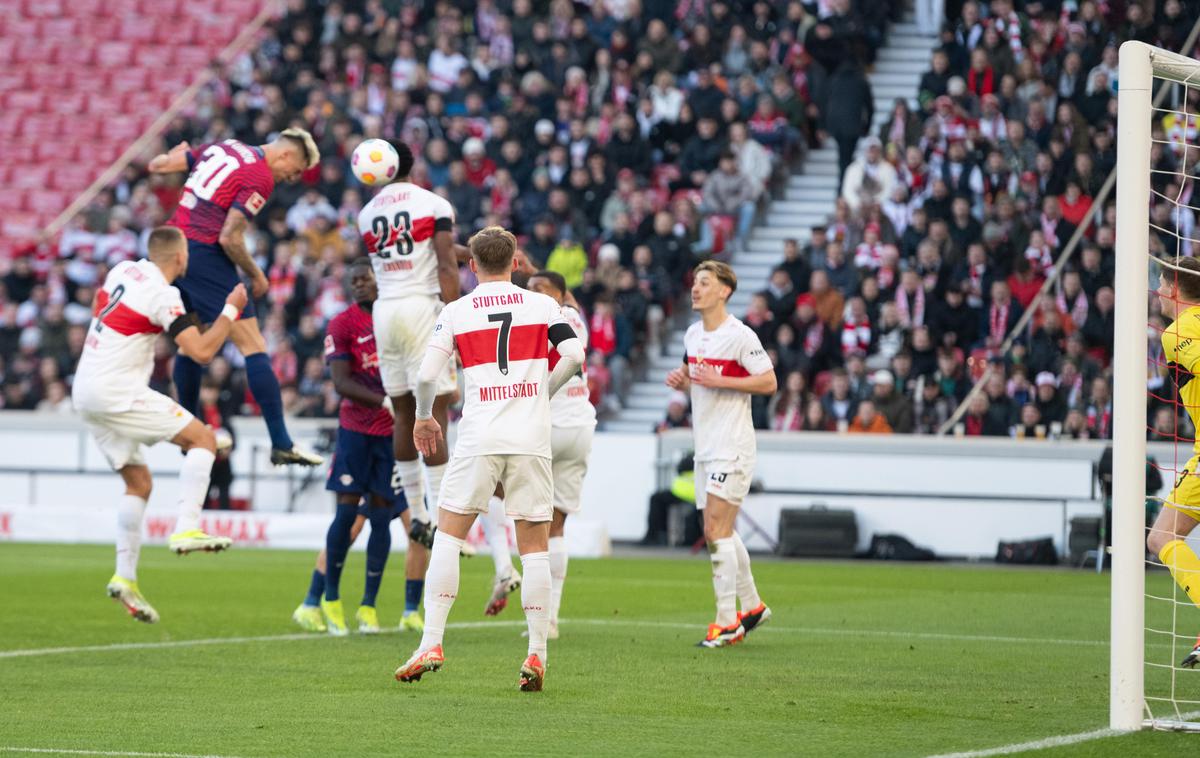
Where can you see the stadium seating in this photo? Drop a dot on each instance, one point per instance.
(71, 102)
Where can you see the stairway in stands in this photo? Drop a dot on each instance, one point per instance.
(807, 201)
(82, 79)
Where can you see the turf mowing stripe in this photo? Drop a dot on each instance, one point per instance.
(55, 751)
(814, 631)
(1049, 742)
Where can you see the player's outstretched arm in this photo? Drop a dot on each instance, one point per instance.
(233, 242)
(447, 265)
(203, 346)
(172, 161)
(349, 388)
(707, 375)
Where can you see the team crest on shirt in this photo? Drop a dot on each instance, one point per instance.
(347, 480)
(255, 202)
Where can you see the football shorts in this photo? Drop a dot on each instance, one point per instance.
(403, 327)
(152, 418)
(528, 491)
(211, 276)
(570, 447)
(728, 480)
(1185, 495)
(364, 463)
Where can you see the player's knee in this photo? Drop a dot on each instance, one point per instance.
(138, 482)
(203, 438)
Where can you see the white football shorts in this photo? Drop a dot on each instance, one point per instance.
(570, 447)
(153, 417)
(471, 481)
(403, 327)
(728, 480)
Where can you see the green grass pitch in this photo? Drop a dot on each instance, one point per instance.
(861, 659)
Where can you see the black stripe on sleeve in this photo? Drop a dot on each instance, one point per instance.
(560, 333)
(179, 325)
(443, 225)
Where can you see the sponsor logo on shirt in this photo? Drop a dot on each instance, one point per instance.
(255, 203)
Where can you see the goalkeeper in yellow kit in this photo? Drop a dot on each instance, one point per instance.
(1179, 294)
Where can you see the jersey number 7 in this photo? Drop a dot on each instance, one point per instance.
(505, 321)
(395, 236)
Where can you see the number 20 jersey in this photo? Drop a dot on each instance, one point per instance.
(501, 334)
(397, 227)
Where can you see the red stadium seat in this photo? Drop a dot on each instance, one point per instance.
(127, 80)
(47, 202)
(59, 29)
(24, 101)
(191, 56)
(114, 53)
(73, 178)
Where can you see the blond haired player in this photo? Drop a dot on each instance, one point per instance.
(111, 391)
(409, 234)
(1179, 295)
(503, 336)
(724, 364)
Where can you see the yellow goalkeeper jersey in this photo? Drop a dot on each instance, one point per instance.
(1181, 350)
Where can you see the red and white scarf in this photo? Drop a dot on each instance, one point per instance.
(998, 322)
(911, 314)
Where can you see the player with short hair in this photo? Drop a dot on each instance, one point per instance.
(362, 468)
(228, 183)
(1179, 296)
(572, 426)
(503, 336)
(112, 393)
(409, 234)
(724, 364)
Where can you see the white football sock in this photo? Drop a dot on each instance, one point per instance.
(441, 587)
(558, 574)
(414, 488)
(723, 554)
(746, 590)
(193, 488)
(495, 531)
(535, 599)
(433, 478)
(129, 535)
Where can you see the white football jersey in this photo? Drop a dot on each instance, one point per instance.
(133, 307)
(721, 419)
(397, 227)
(500, 333)
(571, 407)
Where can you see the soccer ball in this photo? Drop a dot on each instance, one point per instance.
(375, 161)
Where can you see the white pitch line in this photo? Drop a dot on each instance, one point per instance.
(121, 753)
(1049, 742)
(812, 631)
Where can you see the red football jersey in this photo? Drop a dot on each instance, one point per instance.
(351, 337)
(221, 176)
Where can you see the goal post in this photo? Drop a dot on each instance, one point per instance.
(1136, 700)
(1127, 634)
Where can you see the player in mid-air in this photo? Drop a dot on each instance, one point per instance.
(409, 234)
(503, 336)
(362, 467)
(228, 184)
(111, 391)
(1179, 296)
(724, 364)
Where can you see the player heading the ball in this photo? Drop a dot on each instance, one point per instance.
(228, 183)
(503, 335)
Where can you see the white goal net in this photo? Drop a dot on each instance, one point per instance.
(1154, 620)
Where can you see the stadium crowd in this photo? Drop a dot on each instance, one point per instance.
(622, 140)
(949, 223)
(625, 140)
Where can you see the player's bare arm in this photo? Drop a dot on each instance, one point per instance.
(349, 388)
(233, 242)
(678, 379)
(171, 162)
(427, 433)
(202, 346)
(447, 265)
(707, 375)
